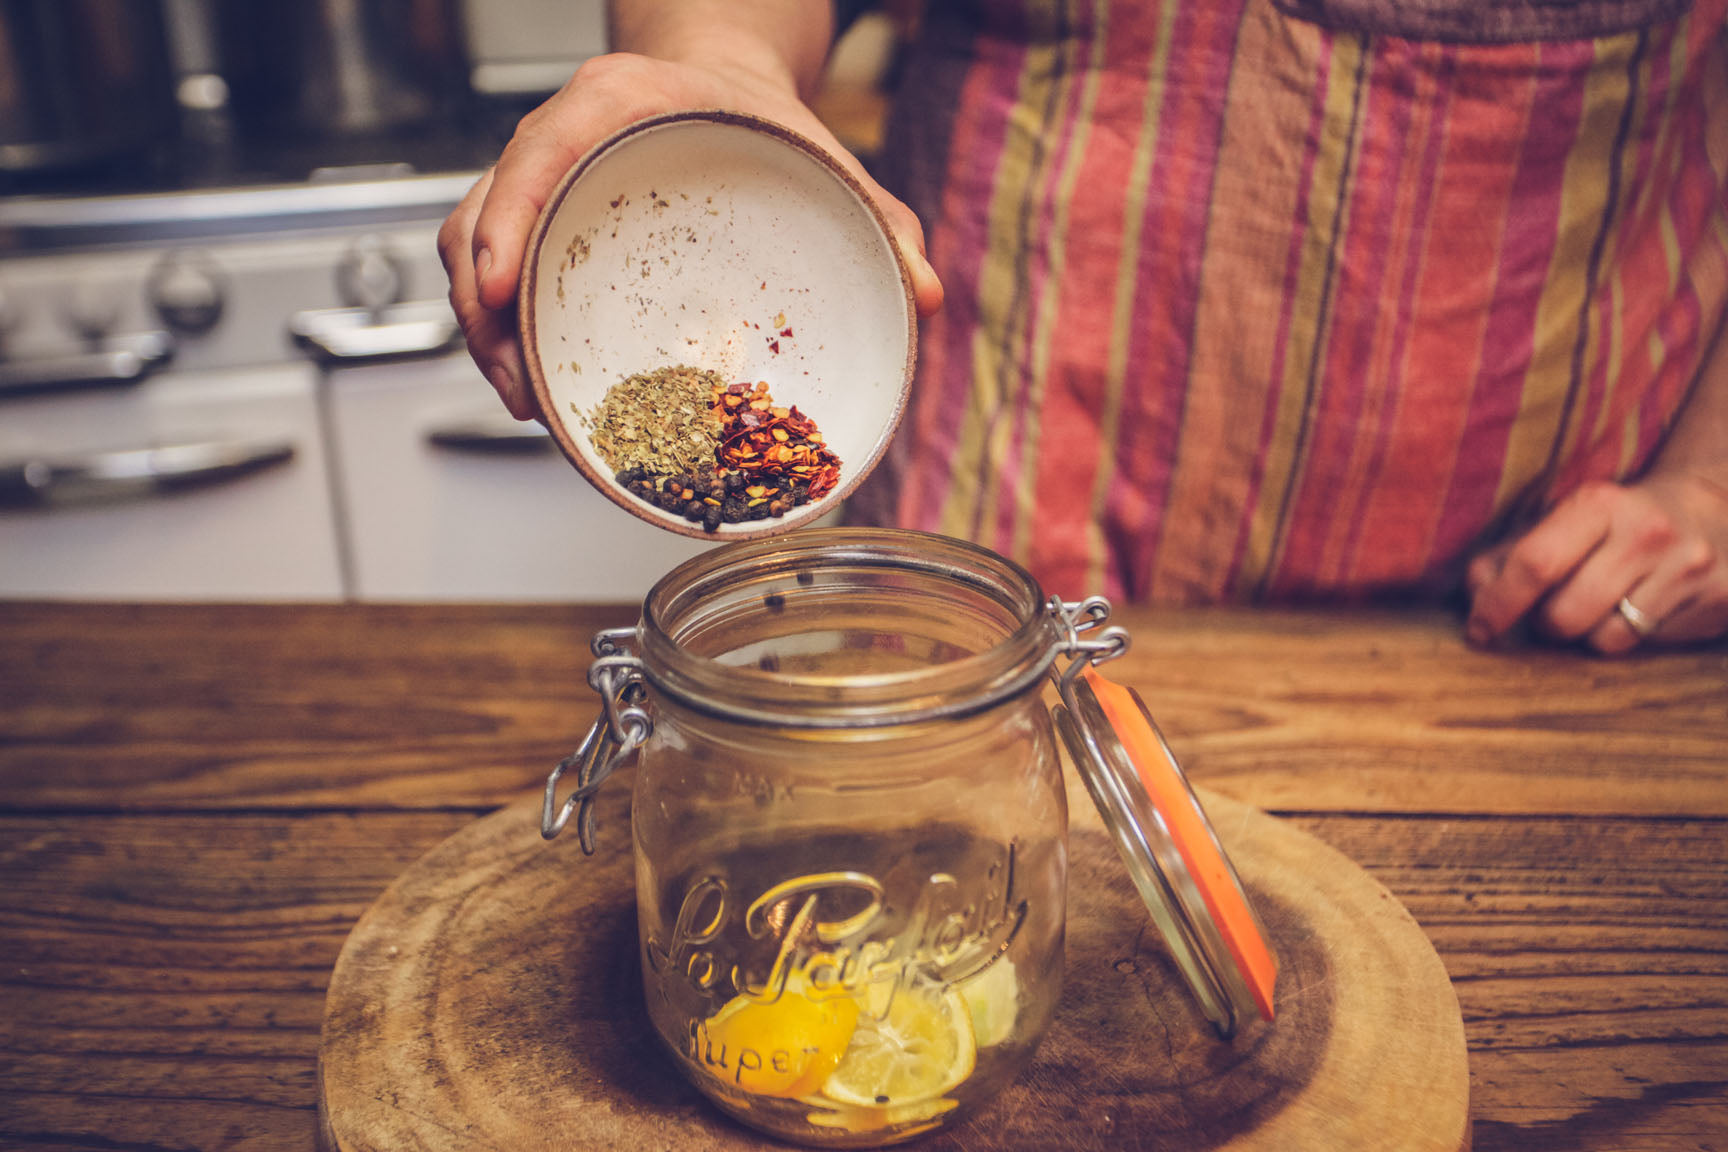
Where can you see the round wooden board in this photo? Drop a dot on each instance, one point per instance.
(490, 999)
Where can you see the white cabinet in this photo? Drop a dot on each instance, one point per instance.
(191, 486)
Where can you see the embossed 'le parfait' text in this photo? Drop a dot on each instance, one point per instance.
(828, 926)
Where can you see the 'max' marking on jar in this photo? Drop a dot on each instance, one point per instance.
(841, 952)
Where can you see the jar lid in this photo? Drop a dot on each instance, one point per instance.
(1172, 853)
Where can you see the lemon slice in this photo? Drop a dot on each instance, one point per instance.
(992, 1001)
(920, 1048)
(786, 1048)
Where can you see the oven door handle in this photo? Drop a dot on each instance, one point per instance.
(124, 360)
(496, 436)
(339, 336)
(133, 472)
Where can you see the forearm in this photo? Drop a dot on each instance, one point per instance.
(779, 42)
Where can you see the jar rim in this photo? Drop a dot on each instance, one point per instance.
(755, 580)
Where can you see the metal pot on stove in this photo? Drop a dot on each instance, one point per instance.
(83, 83)
(312, 69)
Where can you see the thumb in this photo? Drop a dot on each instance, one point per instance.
(927, 291)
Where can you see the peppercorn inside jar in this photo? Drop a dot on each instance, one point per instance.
(849, 824)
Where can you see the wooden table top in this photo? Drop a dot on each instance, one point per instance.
(197, 802)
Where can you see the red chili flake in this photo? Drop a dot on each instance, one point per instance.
(777, 447)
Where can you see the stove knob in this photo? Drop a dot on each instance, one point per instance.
(187, 289)
(93, 311)
(371, 275)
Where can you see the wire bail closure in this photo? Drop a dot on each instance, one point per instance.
(616, 675)
(1077, 617)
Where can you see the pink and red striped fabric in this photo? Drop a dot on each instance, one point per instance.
(1254, 301)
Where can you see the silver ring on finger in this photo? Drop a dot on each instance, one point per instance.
(1636, 618)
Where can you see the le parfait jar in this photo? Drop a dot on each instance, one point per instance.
(850, 822)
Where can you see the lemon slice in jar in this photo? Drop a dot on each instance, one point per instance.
(784, 1048)
(992, 999)
(920, 1048)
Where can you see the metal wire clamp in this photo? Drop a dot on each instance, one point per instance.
(616, 675)
(1078, 617)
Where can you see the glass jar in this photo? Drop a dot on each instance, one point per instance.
(850, 825)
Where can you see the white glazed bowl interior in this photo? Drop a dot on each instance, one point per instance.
(725, 243)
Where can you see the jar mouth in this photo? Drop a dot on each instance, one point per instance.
(843, 627)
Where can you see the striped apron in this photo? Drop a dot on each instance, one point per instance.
(1297, 300)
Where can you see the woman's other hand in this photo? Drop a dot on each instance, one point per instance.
(1661, 544)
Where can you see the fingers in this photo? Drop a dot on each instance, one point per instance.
(1508, 583)
(606, 94)
(1681, 599)
(1626, 560)
(484, 240)
(1629, 623)
(527, 172)
(490, 332)
(927, 293)
(908, 236)
(1567, 575)
(1666, 567)
(1615, 633)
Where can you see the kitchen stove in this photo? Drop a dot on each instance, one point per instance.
(257, 391)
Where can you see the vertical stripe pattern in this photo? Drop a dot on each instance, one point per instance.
(1245, 307)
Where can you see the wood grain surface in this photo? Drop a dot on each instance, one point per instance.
(198, 803)
(491, 999)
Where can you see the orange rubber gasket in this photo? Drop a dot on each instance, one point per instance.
(1194, 841)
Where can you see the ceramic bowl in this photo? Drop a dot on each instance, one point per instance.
(728, 243)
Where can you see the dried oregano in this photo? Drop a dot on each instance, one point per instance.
(661, 422)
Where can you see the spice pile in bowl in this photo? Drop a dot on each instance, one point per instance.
(688, 442)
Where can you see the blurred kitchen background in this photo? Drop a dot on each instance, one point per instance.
(228, 369)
